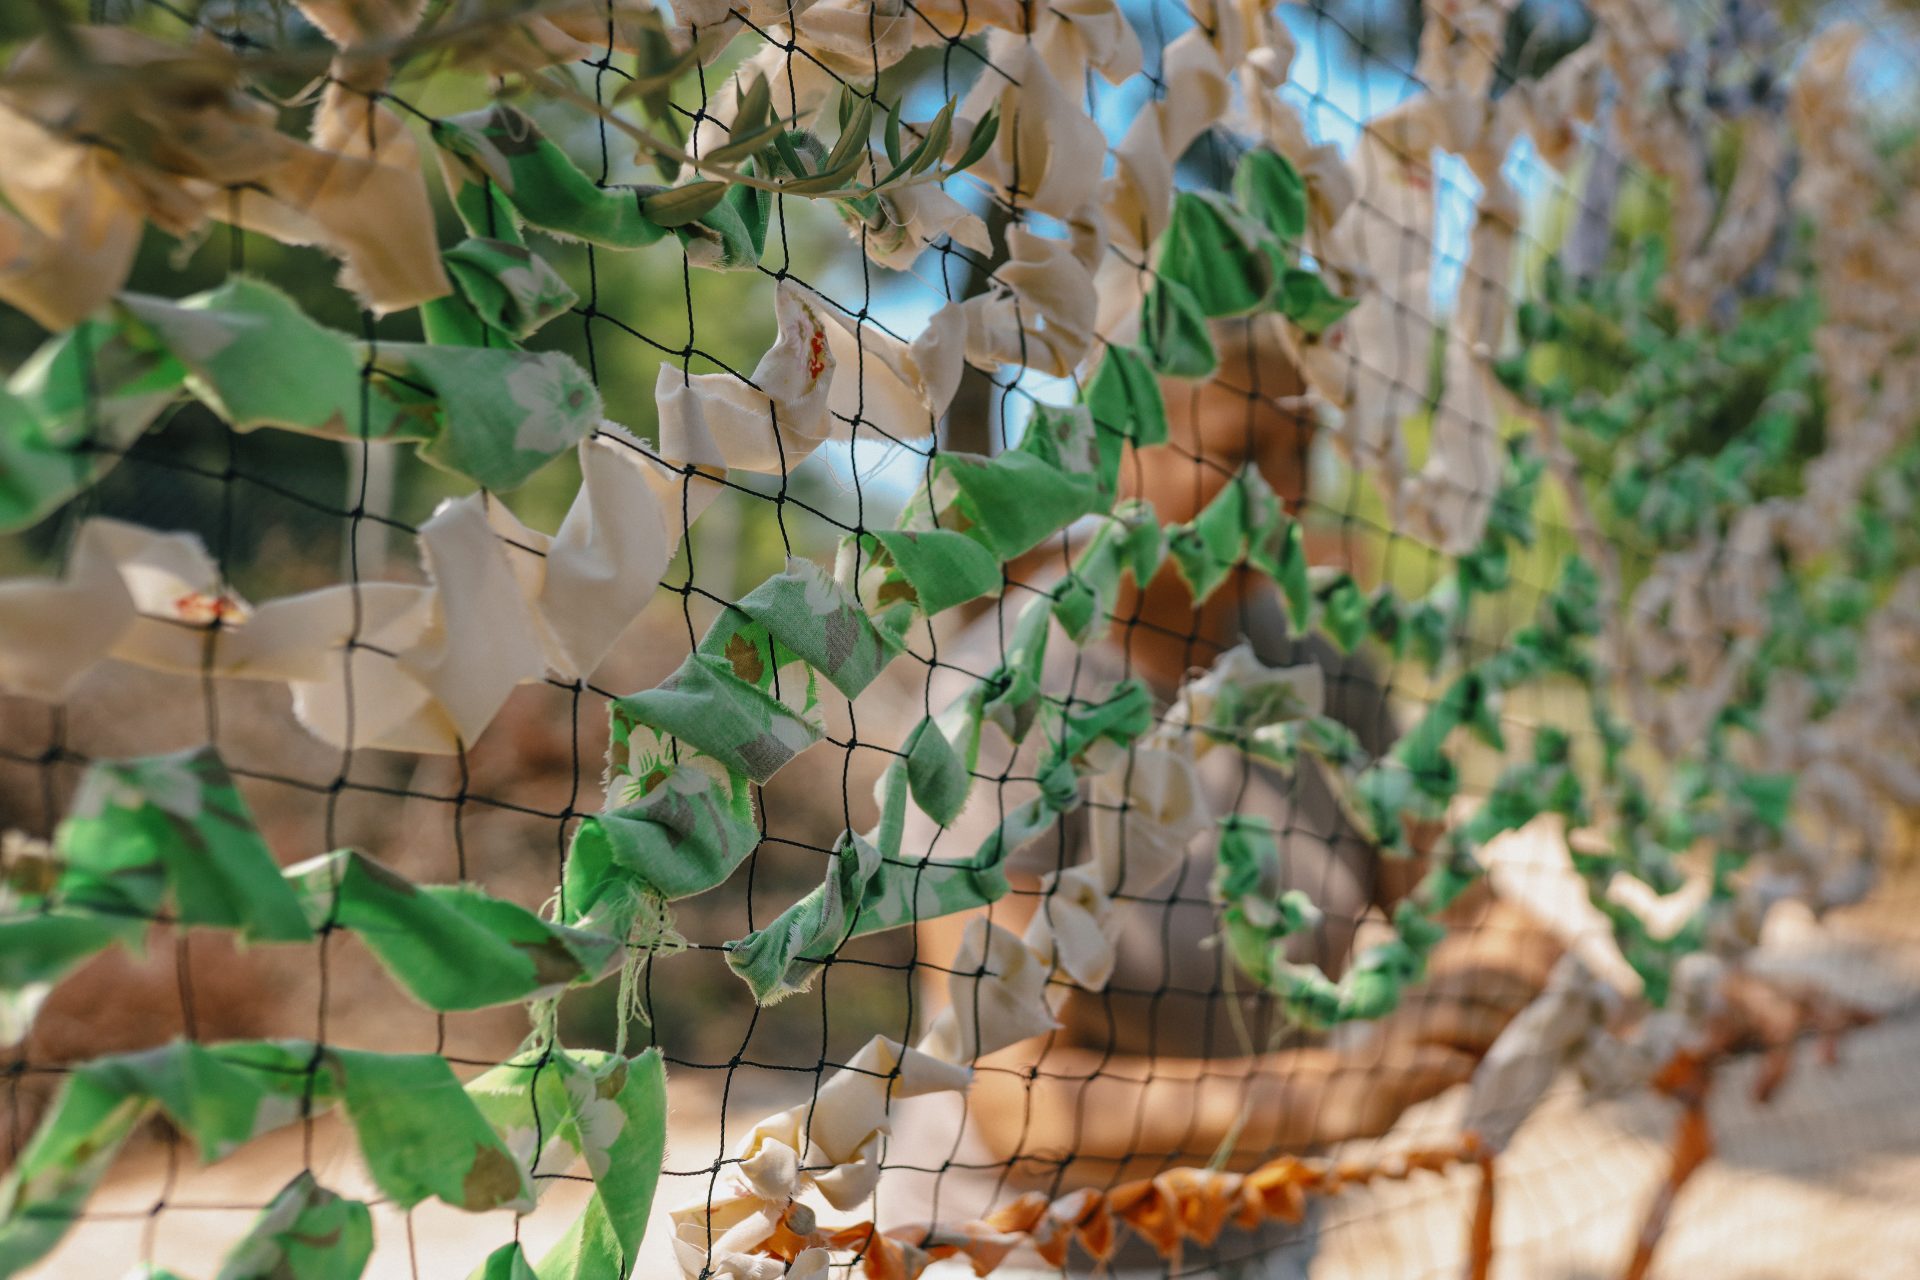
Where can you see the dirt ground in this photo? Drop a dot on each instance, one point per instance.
(1820, 1183)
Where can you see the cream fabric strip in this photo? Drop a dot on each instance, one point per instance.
(430, 664)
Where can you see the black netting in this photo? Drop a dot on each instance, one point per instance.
(1176, 1057)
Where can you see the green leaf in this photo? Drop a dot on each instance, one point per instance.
(932, 144)
(677, 206)
(657, 63)
(821, 183)
(756, 107)
(743, 147)
(979, 142)
(851, 147)
(754, 126)
(816, 166)
(938, 137)
(753, 207)
(789, 154)
(890, 136)
(901, 168)
(666, 163)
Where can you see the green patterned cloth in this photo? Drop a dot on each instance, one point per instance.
(419, 1133)
(611, 1112)
(305, 1233)
(169, 837)
(251, 356)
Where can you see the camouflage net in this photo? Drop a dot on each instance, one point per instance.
(1215, 513)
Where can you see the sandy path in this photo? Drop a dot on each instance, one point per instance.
(1823, 1182)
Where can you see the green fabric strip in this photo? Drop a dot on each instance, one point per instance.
(1124, 399)
(1126, 542)
(1014, 500)
(1244, 523)
(610, 1111)
(508, 1262)
(419, 1134)
(936, 775)
(938, 568)
(1257, 921)
(802, 615)
(683, 836)
(1217, 254)
(709, 708)
(305, 1233)
(168, 837)
(513, 290)
(494, 416)
(779, 960)
(451, 946)
(171, 831)
(1013, 689)
(1173, 331)
(503, 152)
(503, 147)
(1272, 193)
